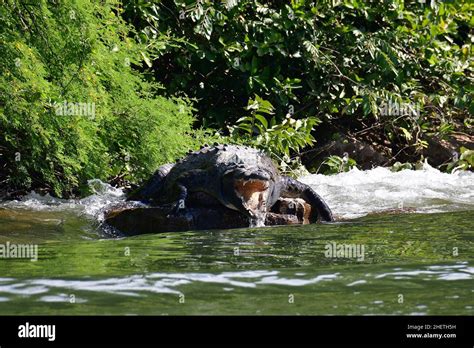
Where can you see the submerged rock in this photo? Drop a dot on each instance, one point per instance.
(141, 220)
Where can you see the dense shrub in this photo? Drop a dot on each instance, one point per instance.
(340, 61)
(80, 52)
(102, 89)
(260, 129)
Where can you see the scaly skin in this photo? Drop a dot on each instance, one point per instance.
(240, 178)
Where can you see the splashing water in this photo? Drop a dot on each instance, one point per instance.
(104, 196)
(349, 195)
(257, 220)
(357, 193)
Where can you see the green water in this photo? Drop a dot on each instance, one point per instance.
(412, 264)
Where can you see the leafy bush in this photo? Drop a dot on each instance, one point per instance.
(339, 61)
(280, 140)
(335, 164)
(104, 90)
(463, 162)
(276, 138)
(55, 56)
(397, 166)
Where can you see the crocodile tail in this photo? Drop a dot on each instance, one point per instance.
(150, 190)
(292, 188)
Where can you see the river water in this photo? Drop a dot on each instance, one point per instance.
(403, 244)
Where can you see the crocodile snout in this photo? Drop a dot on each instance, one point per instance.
(252, 174)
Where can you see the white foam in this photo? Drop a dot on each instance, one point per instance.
(357, 193)
(94, 205)
(349, 195)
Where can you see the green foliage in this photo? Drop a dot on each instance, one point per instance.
(280, 140)
(80, 52)
(397, 166)
(266, 73)
(335, 164)
(339, 61)
(464, 162)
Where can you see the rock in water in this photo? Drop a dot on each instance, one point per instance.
(142, 220)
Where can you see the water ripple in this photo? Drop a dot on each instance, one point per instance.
(157, 283)
(444, 272)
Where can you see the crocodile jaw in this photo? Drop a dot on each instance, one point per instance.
(253, 193)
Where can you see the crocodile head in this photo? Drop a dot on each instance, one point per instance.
(251, 190)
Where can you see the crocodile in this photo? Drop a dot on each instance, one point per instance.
(239, 177)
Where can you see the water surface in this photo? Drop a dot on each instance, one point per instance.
(418, 262)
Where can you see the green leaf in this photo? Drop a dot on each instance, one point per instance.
(406, 133)
(262, 120)
(146, 59)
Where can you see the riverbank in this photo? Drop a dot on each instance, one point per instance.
(113, 102)
(443, 154)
